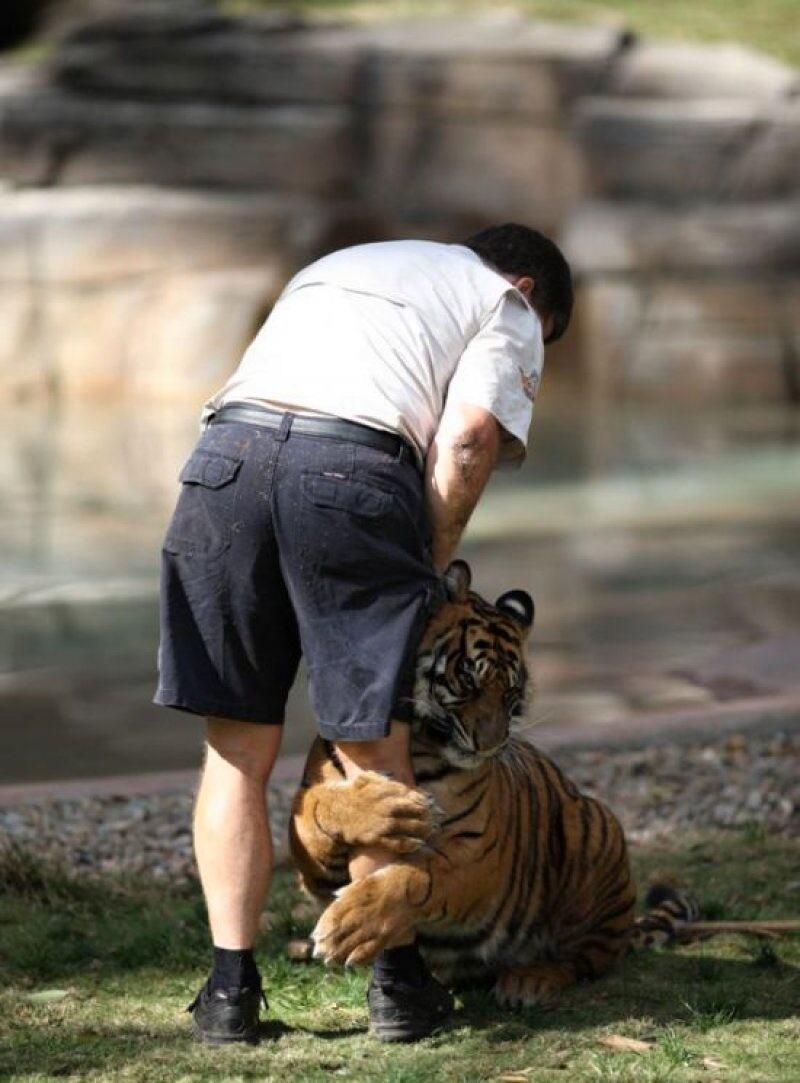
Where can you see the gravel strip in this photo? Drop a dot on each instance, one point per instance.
(142, 835)
(656, 792)
(659, 791)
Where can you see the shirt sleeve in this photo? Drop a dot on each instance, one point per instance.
(500, 371)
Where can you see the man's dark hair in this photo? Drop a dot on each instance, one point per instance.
(518, 250)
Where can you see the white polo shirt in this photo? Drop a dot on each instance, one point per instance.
(386, 334)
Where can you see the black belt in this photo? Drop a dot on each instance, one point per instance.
(338, 428)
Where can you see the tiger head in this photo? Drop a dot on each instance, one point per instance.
(470, 675)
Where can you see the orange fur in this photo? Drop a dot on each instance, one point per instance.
(523, 881)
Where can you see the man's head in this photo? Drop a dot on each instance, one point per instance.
(536, 267)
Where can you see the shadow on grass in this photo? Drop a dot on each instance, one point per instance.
(667, 987)
(110, 1051)
(270, 1030)
(331, 1035)
(702, 992)
(144, 942)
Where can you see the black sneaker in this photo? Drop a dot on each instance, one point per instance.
(220, 1016)
(405, 1013)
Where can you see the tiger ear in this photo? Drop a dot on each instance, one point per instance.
(518, 605)
(457, 580)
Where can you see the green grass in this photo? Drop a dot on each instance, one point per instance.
(94, 977)
(771, 25)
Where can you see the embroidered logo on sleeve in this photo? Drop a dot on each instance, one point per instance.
(530, 384)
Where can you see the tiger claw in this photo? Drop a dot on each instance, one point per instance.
(361, 922)
(382, 812)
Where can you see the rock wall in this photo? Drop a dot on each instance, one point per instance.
(170, 166)
(698, 304)
(138, 290)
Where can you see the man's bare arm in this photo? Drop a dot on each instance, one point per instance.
(461, 458)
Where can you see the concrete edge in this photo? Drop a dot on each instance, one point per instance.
(693, 725)
(288, 769)
(652, 728)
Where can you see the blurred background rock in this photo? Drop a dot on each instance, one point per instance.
(166, 166)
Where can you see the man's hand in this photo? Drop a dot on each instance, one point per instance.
(461, 458)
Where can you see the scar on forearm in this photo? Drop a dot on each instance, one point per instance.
(467, 457)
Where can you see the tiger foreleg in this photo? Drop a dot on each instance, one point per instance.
(380, 911)
(370, 810)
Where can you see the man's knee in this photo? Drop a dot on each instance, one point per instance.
(248, 747)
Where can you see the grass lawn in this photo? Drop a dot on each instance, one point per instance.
(771, 25)
(94, 977)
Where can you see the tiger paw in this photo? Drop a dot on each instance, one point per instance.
(387, 814)
(536, 984)
(365, 918)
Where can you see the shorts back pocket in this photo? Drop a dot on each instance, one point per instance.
(200, 525)
(347, 494)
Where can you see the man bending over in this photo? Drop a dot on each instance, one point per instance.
(329, 489)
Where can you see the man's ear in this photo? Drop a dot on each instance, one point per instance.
(457, 580)
(526, 285)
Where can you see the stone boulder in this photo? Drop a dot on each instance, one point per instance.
(165, 57)
(51, 137)
(667, 150)
(680, 71)
(634, 239)
(507, 66)
(685, 303)
(140, 291)
(495, 171)
(497, 68)
(155, 19)
(770, 165)
(671, 173)
(693, 341)
(428, 115)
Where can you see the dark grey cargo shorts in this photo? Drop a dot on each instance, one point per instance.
(285, 543)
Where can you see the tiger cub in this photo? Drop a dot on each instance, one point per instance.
(504, 871)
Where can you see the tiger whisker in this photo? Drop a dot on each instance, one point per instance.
(538, 717)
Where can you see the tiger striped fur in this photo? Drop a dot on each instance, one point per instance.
(669, 908)
(504, 871)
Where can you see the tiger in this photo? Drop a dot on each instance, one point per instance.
(503, 871)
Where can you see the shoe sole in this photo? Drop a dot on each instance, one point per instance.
(386, 1032)
(249, 1037)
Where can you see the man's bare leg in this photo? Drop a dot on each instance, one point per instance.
(233, 846)
(232, 838)
(400, 966)
(389, 755)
